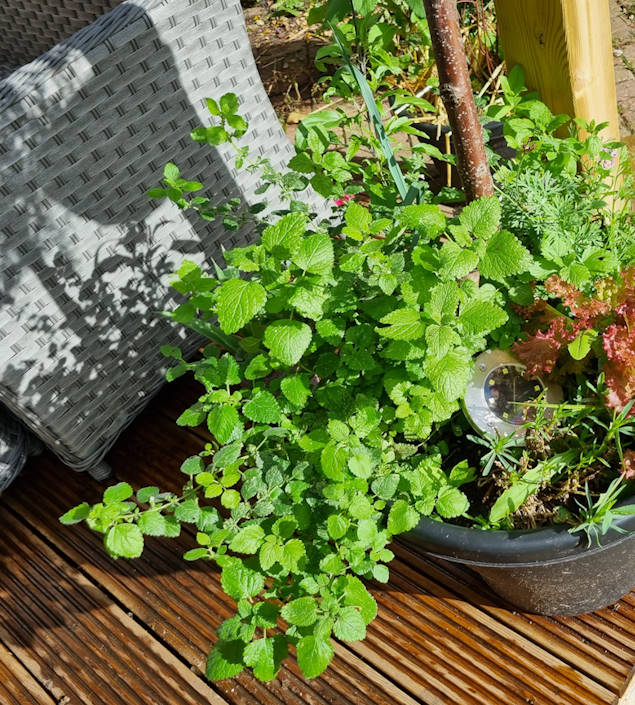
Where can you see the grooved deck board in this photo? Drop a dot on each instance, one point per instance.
(79, 627)
(17, 686)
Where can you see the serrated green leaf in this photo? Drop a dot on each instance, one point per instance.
(223, 423)
(356, 595)
(450, 374)
(314, 655)
(194, 554)
(187, 511)
(338, 430)
(456, 262)
(337, 526)
(481, 317)
(263, 408)
(504, 256)
(238, 302)
(302, 612)
(257, 368)
(227, 455)
(402, 517)
(238, 581)
(441, 339)
(193, 465)
(403, 324)
(230, 499)
(444, 301)
(360, 507)
(193, 416)
(315, 254)
(269, 554)
(247, 540)
(171, 171)
(145, 494)
(124, 541)
(292, 552)
(381, 573)
(361, 465)
(333, 461)
(287, 340)
(208, 519)
(283, 238)
(366, 531)
(451, 503)
(358, 218)
(228, 104)
(482, 217)
(425, 217)
(350, 625)
(118, 493)
(76, 514)
(152, 523)
(225, 660)
(266, 655)
(385, 487)
(296, 389)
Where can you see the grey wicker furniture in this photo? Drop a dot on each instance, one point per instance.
(85, 130)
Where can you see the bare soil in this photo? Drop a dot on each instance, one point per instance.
(285, 48)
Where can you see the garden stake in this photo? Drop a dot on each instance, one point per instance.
(456, 93)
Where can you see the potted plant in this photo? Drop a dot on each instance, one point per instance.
(337, 386)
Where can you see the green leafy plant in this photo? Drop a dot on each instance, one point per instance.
(344, 346)
(339, 352)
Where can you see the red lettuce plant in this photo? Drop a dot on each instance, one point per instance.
(601, 325)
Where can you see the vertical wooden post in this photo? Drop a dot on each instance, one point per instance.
(565, 48)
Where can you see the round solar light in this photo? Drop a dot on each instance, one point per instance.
(497, 395)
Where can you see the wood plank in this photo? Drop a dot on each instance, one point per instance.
(441, 637)
(17, 685)
(162, 594)
(183, 604)
(565, 49)
(86, 647)
(627, 694)
(565, 638)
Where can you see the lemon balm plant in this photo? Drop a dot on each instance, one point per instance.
(339, 353)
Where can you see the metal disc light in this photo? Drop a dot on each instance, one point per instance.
(497, 395)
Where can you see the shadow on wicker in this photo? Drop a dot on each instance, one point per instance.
(86, 131)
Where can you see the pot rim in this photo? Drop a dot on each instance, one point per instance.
(520, 548)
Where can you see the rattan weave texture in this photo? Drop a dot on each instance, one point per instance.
(28, 28)
(85, 130)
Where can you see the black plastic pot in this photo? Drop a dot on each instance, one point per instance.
(546, 571)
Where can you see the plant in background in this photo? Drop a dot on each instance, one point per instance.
(596, 330)
(569, 196)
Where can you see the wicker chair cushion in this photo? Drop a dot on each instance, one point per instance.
(84, 131)
(29, 28)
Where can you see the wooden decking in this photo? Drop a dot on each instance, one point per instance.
(77, 628)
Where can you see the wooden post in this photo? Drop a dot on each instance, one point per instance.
(565, 48)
